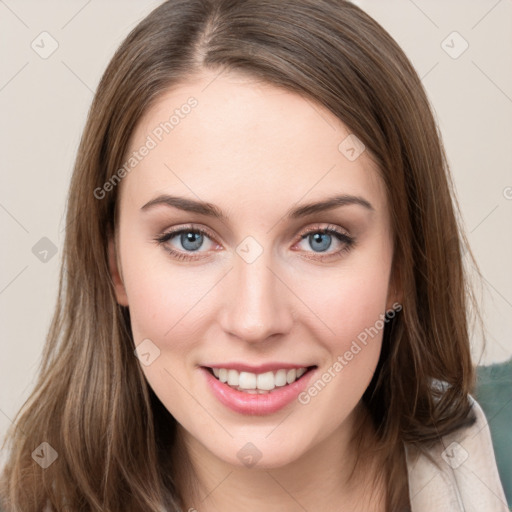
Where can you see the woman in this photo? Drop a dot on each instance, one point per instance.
(262, 302)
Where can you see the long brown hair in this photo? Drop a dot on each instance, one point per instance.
(92, 403)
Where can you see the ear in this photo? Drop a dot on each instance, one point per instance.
(114, 267)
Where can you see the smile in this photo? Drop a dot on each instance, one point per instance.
(257, 393)
(258, 382)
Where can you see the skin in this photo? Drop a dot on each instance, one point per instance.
(254, 151)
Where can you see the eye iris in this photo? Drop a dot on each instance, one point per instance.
(317, 237)
(196, 239)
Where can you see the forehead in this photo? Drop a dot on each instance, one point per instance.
(232, 138)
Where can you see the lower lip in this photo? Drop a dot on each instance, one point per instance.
(256, 404)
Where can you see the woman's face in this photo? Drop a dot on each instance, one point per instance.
(252, 287)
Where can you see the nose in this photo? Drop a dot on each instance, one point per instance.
(257, 301)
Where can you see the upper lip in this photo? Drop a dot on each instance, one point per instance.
(261, 368)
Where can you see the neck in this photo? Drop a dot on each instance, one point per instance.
(322, 478)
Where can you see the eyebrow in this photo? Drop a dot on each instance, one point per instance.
(210, 210)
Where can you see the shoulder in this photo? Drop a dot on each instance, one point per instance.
(465, 477)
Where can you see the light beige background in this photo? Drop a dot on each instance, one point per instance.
(44, 102)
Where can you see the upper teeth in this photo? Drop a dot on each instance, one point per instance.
(264, 381)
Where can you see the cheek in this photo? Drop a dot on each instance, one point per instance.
(168, 302)
(350, 305)
(353, 310)
(165, 307)
(348, 302)
(162, 303)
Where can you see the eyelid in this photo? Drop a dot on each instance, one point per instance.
(331, 229)
(204, 230)
(341, 234)
(320, 227)
(188, 227)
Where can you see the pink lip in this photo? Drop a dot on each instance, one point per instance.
(262, 368)
(254, 404)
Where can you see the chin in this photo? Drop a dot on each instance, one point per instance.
(259, 451)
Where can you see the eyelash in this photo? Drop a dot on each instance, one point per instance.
(347, 241)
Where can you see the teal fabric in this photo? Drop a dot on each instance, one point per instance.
(494, 394)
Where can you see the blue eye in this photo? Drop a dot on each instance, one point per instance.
(191, 239)
(321, 240)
